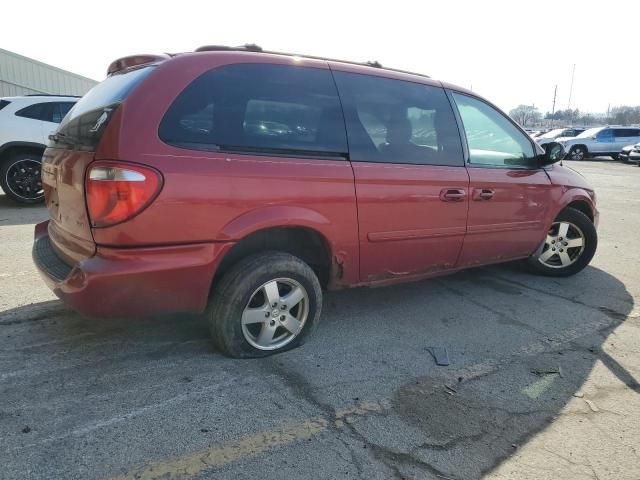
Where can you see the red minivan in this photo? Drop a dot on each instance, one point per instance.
(241, 183)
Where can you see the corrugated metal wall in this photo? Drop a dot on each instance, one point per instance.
(23, 76)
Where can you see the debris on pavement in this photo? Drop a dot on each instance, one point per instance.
(594, 408)
(440, 355)
(450, 390)
(547, 371)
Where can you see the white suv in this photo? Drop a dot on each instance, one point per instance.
(601, 141)
(25, 125)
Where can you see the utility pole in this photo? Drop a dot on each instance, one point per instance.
(573, 73)
(553, 108)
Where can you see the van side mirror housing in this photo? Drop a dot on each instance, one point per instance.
(553, 152)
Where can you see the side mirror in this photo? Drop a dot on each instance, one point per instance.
(553, 152)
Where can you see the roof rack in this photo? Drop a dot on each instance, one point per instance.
(51, 95)
(252, 47)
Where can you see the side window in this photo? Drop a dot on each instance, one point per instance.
(276, 109)
(60, 109)
(607, 133)
(47, 111)
(37, 111)
(394, 121)
(627, 132)
(493, 140)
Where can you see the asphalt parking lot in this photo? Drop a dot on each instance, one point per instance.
(542, 384)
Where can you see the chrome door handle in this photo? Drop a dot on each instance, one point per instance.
(452, 194)
(483, 194)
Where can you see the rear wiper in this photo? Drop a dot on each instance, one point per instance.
(59, 137)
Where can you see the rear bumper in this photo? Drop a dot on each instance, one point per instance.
(118, 282)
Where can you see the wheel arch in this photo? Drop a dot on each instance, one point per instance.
(305, 243)
(300, 232)
(583, 206)
(577, 199)
(10, 148)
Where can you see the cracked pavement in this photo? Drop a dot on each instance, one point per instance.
(543, 380)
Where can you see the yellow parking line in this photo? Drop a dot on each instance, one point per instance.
(250, 446)
(218, 456)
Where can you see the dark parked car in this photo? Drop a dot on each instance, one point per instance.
(166, 194)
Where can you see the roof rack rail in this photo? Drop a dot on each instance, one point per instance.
(51, 95)
(252, 47)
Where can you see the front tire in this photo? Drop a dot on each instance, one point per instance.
(578, 153)
(267, 303)
(21, 179)
(569, 246)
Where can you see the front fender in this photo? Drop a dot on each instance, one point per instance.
(571, 195)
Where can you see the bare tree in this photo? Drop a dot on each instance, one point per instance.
(525, 115)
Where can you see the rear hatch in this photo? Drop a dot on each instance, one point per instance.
(64, 164)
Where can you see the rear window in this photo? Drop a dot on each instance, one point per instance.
(257, 108)
(112, 90)
(83, 125)
(4, 103)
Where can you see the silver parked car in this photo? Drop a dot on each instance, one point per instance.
(600, 141)
(625, 153)
(553, 135)
(634, 155)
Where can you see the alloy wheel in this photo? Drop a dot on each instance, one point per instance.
(564, 244)
(577, 154)
(276, 314)
(24, 179)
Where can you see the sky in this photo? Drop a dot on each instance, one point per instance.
(512, 52)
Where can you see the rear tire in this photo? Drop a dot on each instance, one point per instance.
(578, 153)
(252, 312)
(21, 178)
(569, 247)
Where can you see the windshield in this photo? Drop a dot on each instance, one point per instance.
(553, 133)
(589, 133)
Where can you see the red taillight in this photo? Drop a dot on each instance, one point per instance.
(118, 191)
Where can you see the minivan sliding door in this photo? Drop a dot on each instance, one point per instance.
(411, 184)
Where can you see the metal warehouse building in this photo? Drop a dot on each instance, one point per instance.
(24, 76)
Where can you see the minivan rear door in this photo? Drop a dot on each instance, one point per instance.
(64, 163)
(411, 184)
